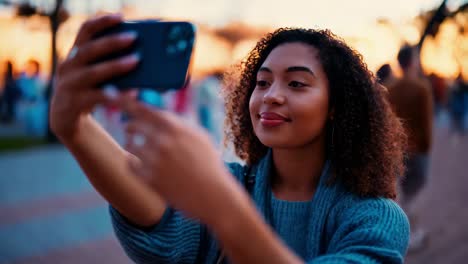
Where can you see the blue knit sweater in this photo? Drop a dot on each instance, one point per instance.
(336, 226)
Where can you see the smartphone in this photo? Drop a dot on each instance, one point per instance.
(165, 48)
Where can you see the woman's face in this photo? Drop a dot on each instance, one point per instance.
(289, 105)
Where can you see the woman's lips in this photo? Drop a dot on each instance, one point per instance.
(270, 119)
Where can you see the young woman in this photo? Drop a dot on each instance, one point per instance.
(322, 151)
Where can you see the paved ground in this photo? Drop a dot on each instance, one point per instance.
(49, 213)
(442, 206)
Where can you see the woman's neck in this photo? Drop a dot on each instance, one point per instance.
(297, 171)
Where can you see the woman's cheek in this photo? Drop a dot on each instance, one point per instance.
(253, 105)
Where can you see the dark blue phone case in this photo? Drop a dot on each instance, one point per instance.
(165, 50)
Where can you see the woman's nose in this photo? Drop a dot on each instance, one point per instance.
(274, 95)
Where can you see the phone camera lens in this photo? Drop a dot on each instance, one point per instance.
(175, 32)
(182, 44)
(179, 39)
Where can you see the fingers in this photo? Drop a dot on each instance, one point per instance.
(113, 94)
(137, 109)
(144, 135)
(143, 153)
(141, 129)
(143, 150)
(93, 97)
(104, 71)
(75, 69)
(130, 93)
(93, 50)
(84, 101)
(93, 26)
(139, 126)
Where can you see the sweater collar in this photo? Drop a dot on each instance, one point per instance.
(265, 167)
(324, 198)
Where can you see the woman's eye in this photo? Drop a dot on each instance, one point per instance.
(262, 83)
(296, 84)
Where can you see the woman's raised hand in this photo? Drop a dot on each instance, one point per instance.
(76, 90)
(179, 162)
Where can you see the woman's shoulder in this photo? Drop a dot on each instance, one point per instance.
(371, 212)
(350, 204)
(368, 221)
(373, 222)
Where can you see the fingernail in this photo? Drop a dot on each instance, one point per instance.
(135, 57)
(110, 91)
(129, 35)
(130, 59)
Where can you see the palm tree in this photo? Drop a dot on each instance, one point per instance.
(438, 16)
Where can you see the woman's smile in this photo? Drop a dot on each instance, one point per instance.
(272, 119)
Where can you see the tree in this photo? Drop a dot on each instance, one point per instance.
(56, 18)
(438, 16)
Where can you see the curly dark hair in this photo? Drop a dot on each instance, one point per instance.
(367, 143)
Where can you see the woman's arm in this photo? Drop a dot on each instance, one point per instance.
(244, 236)
(175, 239)
(76, 94)
(105, 164)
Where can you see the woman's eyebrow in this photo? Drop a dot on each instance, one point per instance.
(264, 69)
(290, 69)
(300, 68)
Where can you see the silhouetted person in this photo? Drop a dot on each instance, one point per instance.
(411, 98)
(385, 75)
(10, 96)
(458, 104)
(439, 91)
(30, 82)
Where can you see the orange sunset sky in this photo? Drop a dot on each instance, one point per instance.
(355, 21)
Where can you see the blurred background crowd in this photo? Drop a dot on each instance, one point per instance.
(43, 194)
